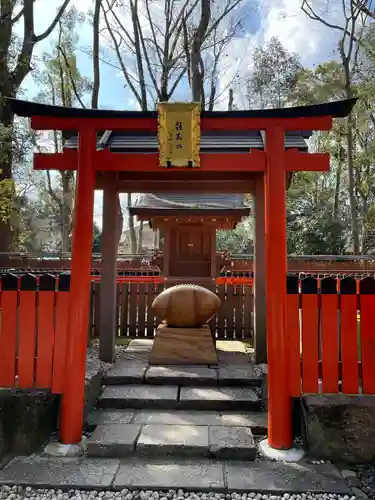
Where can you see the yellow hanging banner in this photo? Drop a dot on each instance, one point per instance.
(179, 134)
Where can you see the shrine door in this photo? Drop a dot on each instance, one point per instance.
(190, 251)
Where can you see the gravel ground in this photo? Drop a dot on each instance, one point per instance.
(19, 492)
(366, 475)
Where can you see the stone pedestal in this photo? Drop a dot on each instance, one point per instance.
(185, 346)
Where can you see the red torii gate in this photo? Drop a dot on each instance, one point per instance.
(142, 170)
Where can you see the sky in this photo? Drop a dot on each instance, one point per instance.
(263, 19)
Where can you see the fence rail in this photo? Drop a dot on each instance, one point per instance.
(136, 320)
(330, 325)
(33, 328)
(331, 334)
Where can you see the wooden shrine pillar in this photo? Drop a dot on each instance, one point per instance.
(108, 286)
(279, 399)
(259, 269)
(72, 404)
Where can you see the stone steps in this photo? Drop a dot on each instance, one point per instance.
(148, 396)
(136, 370)
(257, 421)
(163, 474)
(158, 440)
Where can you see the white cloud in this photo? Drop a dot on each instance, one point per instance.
(284, 19)
(313, 41)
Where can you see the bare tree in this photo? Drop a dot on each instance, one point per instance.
(15, 64)
(354, 20)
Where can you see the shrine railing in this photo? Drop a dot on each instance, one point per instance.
(331, 335)
(136, 320)
(330, 327)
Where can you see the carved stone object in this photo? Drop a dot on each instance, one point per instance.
(186, 306)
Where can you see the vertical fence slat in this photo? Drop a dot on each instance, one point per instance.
(61, 331)
(310, 335)
(150, 290)
(330, 336)
(46, 331)
(141, 310)
(293, 329)
(238, 311)
(8, 330)
(27, 332)
(349, 336)
(247, 312)
(125, 310)
(229, 312)
(367, 308)
(133, 299)
(222, 312)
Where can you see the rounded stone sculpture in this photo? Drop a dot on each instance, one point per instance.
(186, 306)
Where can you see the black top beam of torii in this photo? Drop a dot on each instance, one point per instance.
(336, 109)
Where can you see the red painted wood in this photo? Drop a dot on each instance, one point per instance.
(308, 162)
(349, 344)
(8, 338)
(330, 343)
(27, 339)
(293, 329)
(72, 403)
(310, 343)
(279, 402)
(150, 123)
(368, 343)
(45, 336)
(254, 161)
(59, 347)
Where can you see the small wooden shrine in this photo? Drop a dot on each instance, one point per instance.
(188, 223)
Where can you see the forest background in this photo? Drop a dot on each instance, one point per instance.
(227, 54)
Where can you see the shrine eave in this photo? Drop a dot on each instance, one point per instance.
(146, 212)
(335, 109)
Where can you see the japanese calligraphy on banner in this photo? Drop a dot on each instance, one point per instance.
(179, 134)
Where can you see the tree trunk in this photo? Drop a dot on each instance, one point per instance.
(336, 206)
(132, 233)
(351, 183)
(231, 100)
(140, 237)
(6, 158)
(196, 77)
(119, 220)
(66, 216)
(95, 55)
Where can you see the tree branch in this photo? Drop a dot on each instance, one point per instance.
(73, 83)
(53, 25)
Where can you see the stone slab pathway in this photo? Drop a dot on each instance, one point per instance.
(257, 421)
(201, 475)
(137, 371)
(173, 397)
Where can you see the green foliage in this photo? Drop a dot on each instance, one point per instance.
(274, 76)
(237, 241)
(97, 239)
(312, 228)
(6, 198)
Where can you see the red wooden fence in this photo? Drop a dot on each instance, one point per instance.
(330, 326)
(33, 327)
(136, 320)
(331, 335)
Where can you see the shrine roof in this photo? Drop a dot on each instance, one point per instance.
(208, 203)
(213, 141)
(336, 109)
